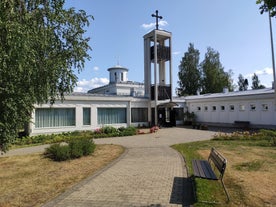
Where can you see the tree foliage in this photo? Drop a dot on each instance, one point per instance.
(242, 83)
(267, 5)
(207, 77)
(256, 82)
(214, 78)
(189, 75)
(41, 45)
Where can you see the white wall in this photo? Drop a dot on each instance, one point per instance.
(242, 110)
(110, 102)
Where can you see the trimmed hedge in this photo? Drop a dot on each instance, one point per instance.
(75, 148)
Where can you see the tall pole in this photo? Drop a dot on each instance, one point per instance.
(155, 80)
(272, 53)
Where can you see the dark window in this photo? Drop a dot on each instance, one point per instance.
(139, 115)
(111, 115)
(54, 117)
(86, 116)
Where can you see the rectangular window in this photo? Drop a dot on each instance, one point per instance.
(55, 117)
(242, 107)
(111, 115)
(86, 114)
(214, 108)
(231, 107)
(264, 107)
(199, 108)
(205, 108)
(139, 115)
(252, 107)
(222, 108)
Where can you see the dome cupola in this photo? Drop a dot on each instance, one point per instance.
(117, 74)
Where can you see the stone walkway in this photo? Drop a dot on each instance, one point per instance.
(149, 173)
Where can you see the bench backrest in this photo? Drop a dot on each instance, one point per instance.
(218, 160)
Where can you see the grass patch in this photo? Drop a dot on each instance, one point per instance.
(254, 165)
(32, 180)
(249, 176)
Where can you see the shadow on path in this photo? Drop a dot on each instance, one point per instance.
(182, 191)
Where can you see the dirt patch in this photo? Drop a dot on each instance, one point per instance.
(257, 183)
(31, 180)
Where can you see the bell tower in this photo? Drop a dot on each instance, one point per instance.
(157, 55)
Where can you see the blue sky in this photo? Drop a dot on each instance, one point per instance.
(234, 28)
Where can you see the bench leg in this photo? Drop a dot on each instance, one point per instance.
(228, 199)
(194, 189)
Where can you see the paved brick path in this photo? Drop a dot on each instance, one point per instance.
(150, 173)
(142, 177)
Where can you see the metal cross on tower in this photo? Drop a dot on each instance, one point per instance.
(157, 17)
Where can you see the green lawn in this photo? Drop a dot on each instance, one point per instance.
(248, 161)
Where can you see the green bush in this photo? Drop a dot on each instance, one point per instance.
(129, 131)
(58, 152)
(74, 149)
(88, 146)
(109, 130)
(270, 135)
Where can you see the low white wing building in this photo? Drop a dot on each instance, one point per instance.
(254, 106)
(84, 111)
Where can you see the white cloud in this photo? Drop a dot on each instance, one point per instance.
(96, 68)
(161, 23)
(85, 85)
(176, 53)
(148, 26)
(265, 71)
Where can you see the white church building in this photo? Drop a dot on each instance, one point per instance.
(124, 103)
(119, 84)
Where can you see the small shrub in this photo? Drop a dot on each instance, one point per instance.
(109, 130)
(75, 147)
(88, 146)
(270, 135)
(58, 152)
(121, 129)
(129, 131)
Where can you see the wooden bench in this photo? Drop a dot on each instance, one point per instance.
(242, 124)
(203, 168)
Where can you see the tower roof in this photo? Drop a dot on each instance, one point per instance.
(116, 67)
